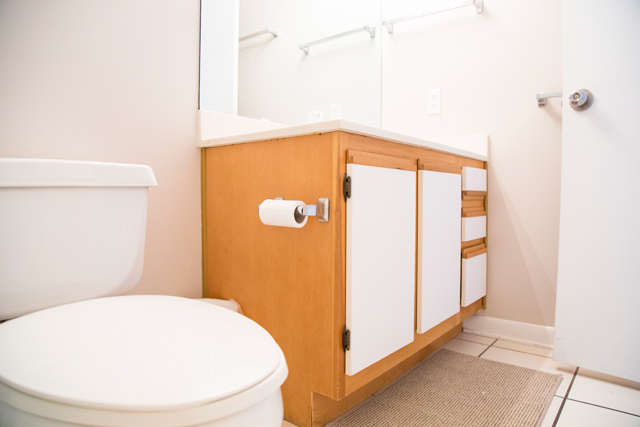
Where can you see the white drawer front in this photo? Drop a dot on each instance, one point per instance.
(474, 228)
(474, 179)
(474, 279)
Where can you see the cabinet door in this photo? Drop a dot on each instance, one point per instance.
(439, 214)
(381, 220)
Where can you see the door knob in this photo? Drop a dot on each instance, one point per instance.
(580, 99)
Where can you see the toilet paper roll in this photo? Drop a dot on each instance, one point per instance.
(282, 213)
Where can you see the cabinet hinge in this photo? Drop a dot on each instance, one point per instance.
(346, 187)
(346, 339)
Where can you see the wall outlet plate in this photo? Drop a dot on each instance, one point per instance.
(434, 101)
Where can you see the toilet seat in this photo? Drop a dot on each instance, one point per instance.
(150, 360)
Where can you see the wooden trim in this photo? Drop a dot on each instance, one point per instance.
(474, 193)
(470, 214)
(474, 254)
(389, 148)
(339, 209)
(325, 409)
(436, 166)
(203, 214)
(470, 249)
(466, 209)
(380, 160)
(466, 197)
(471, 243)
(354, 382)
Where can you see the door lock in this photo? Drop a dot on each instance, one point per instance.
(581, 99)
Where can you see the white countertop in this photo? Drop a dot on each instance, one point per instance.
(474, 146)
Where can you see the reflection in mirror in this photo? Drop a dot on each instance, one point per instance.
(277, 81)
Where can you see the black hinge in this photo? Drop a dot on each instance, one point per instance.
(346, 187)
(346, 339)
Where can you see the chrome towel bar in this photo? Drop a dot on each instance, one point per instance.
(270, 30)
(477, 3)
(542, 97)
(370, 30)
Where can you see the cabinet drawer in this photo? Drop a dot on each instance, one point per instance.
(474, 228)
(474, 179)
(474, 279)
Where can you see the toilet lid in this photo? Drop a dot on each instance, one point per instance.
(135, 353)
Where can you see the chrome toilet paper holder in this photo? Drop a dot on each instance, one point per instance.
(320, 210)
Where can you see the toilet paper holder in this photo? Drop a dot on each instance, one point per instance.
(319, 210)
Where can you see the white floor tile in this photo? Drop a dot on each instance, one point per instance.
(533, 361)
(604, 390)
(576, 414)
(510, 345)
(466, 347)
(288, 424)
(556, 403)
(475, 338)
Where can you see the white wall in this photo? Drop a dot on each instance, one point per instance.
(489, 68)
(113, 81)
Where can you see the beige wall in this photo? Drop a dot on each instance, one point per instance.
(489, 68)
(113, 81)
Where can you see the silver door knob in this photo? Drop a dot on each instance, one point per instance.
(580, 99)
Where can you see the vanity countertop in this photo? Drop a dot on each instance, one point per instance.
(474, 146)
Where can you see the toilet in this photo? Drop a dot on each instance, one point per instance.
(73, 353)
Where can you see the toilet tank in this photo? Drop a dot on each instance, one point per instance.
(69, 231)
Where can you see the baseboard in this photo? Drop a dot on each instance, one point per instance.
(525, 333)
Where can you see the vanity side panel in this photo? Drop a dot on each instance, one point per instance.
(283, 278)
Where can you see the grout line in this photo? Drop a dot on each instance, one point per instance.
(525, 352)
(575, 374)
(604, 407)
(485, 350)
(475, 342)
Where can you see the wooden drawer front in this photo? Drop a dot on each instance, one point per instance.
(474, 279)
(474, 228)
(474, 179)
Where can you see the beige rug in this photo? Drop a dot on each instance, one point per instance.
(452, 389)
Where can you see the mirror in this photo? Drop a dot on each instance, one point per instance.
(276, 80)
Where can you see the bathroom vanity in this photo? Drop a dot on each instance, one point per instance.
(355, 301)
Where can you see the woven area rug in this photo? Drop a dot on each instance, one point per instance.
(452, 389)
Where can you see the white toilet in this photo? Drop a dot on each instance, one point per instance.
(71, 232)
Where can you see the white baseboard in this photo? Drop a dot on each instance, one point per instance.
(525, 333)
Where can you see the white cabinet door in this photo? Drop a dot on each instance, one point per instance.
(381, 233)
(439, 214)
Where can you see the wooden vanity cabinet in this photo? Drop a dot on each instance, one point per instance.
(293, 281)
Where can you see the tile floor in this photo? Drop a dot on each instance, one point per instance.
(584, 399)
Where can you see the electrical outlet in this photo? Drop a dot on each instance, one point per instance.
(336, 110)
(434, 104)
